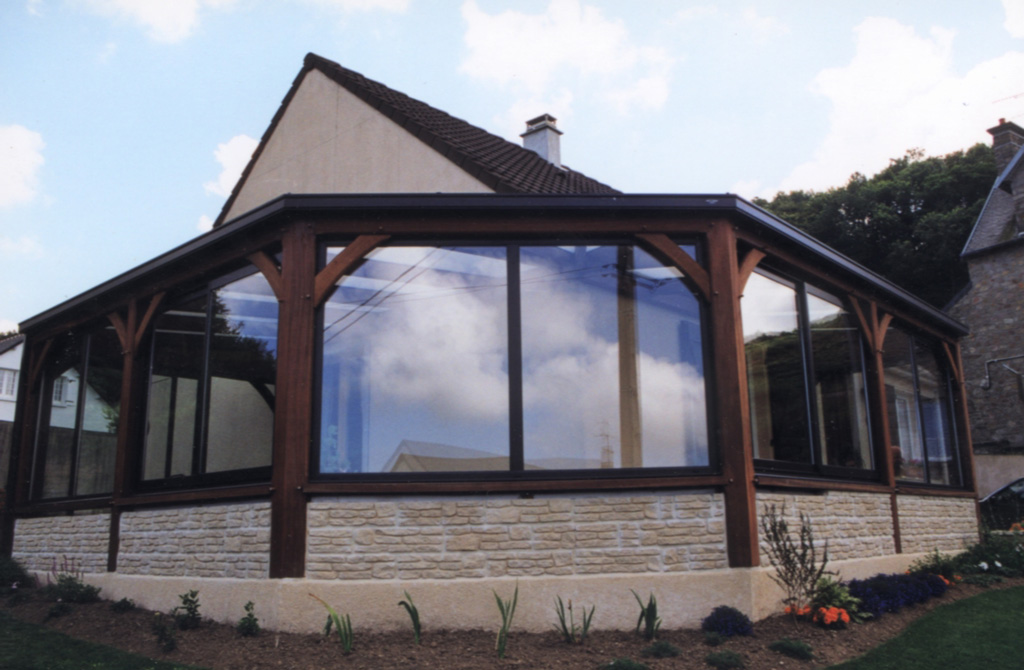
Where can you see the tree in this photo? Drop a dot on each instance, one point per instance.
(908, 223)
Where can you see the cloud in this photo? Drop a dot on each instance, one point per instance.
(396, 6)
(1014, 22)
(764, 28)
(205, 224)
(900, 91)
(24, 247)
(167, 21)
(33, 7)
(21, 157)
(233, 156)
(567, 40)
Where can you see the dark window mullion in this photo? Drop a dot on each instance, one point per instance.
(810, 397)
(199, 448)
(918, 414)
(76, 436)
(515, 361)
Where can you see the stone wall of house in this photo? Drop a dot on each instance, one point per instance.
(80, 540)
(483, 537)
(226, 540)
(928, 523)
(994, 310)
(856, 525)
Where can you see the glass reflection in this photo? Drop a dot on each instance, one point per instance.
(97, 448)
(415, 363)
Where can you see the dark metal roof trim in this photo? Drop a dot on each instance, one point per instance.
(461, 203)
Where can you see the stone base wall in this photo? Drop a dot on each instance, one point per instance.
(228, 540)
(928, 523)
(493, 537)
(83, 538)
(855, 525)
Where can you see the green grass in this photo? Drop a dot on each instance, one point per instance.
(982, 632)
(24, 646)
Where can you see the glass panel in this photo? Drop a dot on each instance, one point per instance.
(939, 437)
(65, 373)
(97, 449)
(839, 384)
(775, 370)
(178, 356)
(612, 361)
(904, 423)
(243, 369)
(415, 363)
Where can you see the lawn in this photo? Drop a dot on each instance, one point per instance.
(983, 632)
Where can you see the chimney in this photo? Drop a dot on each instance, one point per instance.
(542, 138)
(1007, 139)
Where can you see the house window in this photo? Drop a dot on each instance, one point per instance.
(8, 383)
(210, 411)
(805, 379)
(511, 359)
(921, 424)
(77, 440)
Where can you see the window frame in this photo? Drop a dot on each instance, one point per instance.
(517, 471)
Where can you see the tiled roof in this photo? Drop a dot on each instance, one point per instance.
(995, 225)
(501, 165)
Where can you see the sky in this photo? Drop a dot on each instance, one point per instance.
(124, 124)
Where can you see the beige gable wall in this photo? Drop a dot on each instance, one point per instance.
(330, 141)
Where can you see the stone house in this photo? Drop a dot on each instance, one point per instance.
(993, 307)
(414, 356)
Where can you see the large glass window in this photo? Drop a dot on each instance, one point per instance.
(511, 358)
(921, 426)
(211, 388)
(805, 378)
(77, 439)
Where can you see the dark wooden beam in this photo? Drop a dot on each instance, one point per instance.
(294, 413)
(664, 249)
(750, 262)
(732, 420)
(271, 272)
(343, 264)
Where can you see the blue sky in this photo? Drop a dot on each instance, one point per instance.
(124, 123)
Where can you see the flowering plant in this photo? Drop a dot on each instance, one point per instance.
(833, 618)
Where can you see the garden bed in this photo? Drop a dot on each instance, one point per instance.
(220, 647)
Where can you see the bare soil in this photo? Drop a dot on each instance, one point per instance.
(220, 647)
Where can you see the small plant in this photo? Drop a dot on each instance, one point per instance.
(507, 608)
(13, 575)
(571, 631)
(660, 649)
(414, 614)
(793, 648)
(58, 609)
(648, 618)
(713, 639)
(727, 621)
(186, 615)
(724, 659)
(164, 633)
(624, 664)
(341, 624)
(797, 569)
(64, 583)
(936, 563)
(123, 605)
(249, 625)
(831, 594)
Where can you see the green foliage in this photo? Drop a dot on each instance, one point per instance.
(831, 593)
(907, 223)
(165, 635)
(624, 664)
(724, 659)
(797, 569)
(58, 609)
(341, 624)
(414, 614)
(12, 574)
(714, 638)
(1001, 555)
(123, 605)
(71, 589)
(648, 618)
(249, 625)
(661, 649)
(186, 615)
(507, 608)
(981, 579)
(571, 631)
(793, 648)
(937, 563)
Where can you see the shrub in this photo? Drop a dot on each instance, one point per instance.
(891, 593)
(58, 609)
(727, 621)
(937, 563)
(713, 639)
(828, 594)
(648, 618)
(797, 569)
(164, 633)
(567, 626)
(724, 659)
(1001, 555)
(69, 588)
(660, 649)
(123, 605)
(624, 664)
(186, 615)
(793, 649)
(249, 625)
(12, 574)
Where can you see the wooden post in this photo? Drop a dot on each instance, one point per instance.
(293, 412)
(733, 408)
